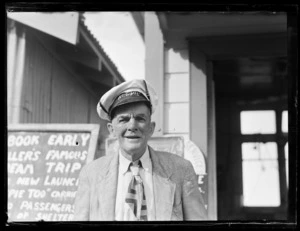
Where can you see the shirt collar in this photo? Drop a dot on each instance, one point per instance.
(145, 159)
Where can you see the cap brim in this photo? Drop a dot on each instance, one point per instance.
(128, 101)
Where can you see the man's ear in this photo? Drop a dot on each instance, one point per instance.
(110, 128)
(152, 126)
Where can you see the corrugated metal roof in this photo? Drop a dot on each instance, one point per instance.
(99, 47)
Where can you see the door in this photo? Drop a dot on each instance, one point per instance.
(252, 141)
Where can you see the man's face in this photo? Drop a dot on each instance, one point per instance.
(133, 127)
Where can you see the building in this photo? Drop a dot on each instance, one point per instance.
(214, 72)
(56, 71)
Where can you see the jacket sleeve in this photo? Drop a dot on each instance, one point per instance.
(82, 199)
(193, 202)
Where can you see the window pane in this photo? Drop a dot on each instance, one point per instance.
(286, 154)
(261, 183)
(262, 122)
(284, 121)
(259, 151)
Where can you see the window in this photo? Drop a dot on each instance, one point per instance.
(262, 186)
(284, 122)
(258, 122)
(260, 174)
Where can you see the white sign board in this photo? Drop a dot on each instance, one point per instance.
(62, 25)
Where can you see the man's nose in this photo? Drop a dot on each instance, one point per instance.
(132, 124)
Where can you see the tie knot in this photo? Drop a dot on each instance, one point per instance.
(134, 167)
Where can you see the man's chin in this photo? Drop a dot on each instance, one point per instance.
(134, 149)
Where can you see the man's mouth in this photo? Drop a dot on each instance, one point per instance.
(132, 137)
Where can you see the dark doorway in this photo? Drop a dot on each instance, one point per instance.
(251, 138)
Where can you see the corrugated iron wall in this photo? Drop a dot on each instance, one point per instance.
(70, 102)
(47, 90)
(50, 93)
(36, 91)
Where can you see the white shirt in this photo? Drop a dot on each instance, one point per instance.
(124, 178)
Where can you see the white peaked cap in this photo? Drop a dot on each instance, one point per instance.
(136, 90)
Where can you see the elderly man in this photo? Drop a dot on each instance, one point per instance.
(136, 183)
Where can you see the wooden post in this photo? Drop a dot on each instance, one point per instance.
(211, 145)
(16, 43)
(198, 100)
(202, 111)
(154, 65)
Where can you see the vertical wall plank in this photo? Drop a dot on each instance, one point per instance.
(177, 87)
(177, 92)
(176, 61)
(46, 90)
(176, 118)
(80, 104)
(32, 104)
(61, 92)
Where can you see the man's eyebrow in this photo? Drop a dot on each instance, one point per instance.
(126, 115)
(123, 115)
(141, 114)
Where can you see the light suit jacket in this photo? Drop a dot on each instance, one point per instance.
(176, 192)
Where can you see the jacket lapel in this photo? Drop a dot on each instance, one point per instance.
(164, 189)
(107, 188)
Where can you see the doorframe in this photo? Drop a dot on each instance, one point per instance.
(204, 50)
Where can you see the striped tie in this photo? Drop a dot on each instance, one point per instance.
(135, 197)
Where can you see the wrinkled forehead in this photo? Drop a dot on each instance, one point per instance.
(139, 108)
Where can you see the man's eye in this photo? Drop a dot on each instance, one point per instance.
(123, 119)
(140, 119)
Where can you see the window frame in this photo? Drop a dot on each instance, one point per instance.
(280, 138)
(274, 160)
